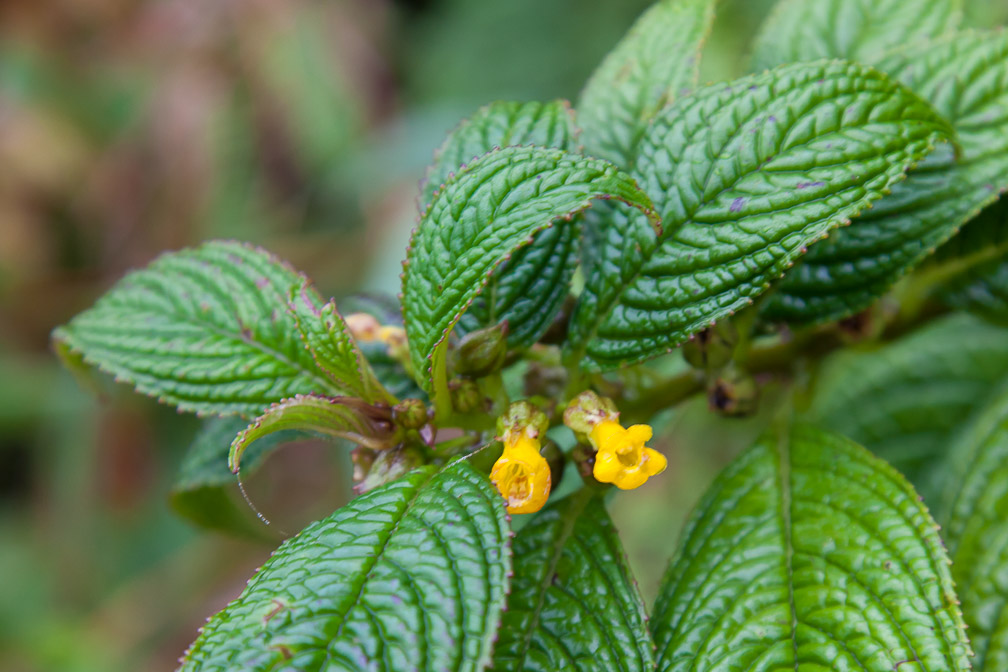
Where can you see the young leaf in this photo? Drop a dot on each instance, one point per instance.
(856, 30)
(529, 288)
(573, 604)
(808, 553)
(976, 530)
(965, 77)
(745, 175)
(904, 400)
(203, 491)
(334, 350)
(412, 575)
(656, 62)
(335, 417)
(484, 213)
(976, 263)
(205, 329)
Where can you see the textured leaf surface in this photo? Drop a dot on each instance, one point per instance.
(808, 553)
(411, 576)
(965, 77)
(335, 417)
(904, 400)
(657, 61)
(856, 30)
(528, 289)
(573, 605)
(976, 531)
(204, 489)
(328, 339)
(977, 262)
(485, 213)
(745, 175)
(205, 329)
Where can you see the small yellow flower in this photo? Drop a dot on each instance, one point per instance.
(522, 474)
(622, 458)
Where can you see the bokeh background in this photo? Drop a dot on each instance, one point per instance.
(129, 127)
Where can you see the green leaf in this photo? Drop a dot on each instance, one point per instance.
(334, 417)
(334, 350)
(388, 370)
(904, 400)
(412, 575)
(975, 265)
(808, 553)
(653, 64)
(205, 329)
(573, 604)
(529, 288)
(965, 77)
(484, 213)
(745, 175)
(856, 30)
(976, 530)
(204, 490)
(499, 124)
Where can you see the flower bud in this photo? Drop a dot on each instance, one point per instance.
(482, 352)
(522, 419)
(465, 395)
(363, 327)
(734, 393)
(712, 348)
(587, 410)
(410, 414)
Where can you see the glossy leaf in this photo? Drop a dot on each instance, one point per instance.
(205, 329)
(657, 61)
(485, 213)
(205, 490)
(745, 175)
(975, 265)
(412, 575)
(904, 400)
(976, 530)
(573, 604)
(808, 553)
(529, 288)
(965, 77)
(857, 30)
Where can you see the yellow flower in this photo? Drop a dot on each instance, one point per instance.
(521, 474)
(622, 458)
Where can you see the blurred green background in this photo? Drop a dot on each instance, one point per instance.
(128, 128)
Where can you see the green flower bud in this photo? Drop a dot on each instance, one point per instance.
(410, 414)
(482, 352)
(587, 410)
(712, 348)
(465, 395)
(734, 393)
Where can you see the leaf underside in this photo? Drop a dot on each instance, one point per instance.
(808, 553)
(745, 175)
(483, 214)
(904, 400)
(976, 530)
(205, 329)
(965, 76)
(412, 575)
(528, 289)
(856, 30)
(573, 604)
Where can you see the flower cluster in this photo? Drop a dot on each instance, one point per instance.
(618, 454)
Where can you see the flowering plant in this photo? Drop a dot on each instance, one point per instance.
(577, 270)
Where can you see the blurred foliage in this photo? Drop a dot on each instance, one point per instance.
(129, 127)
